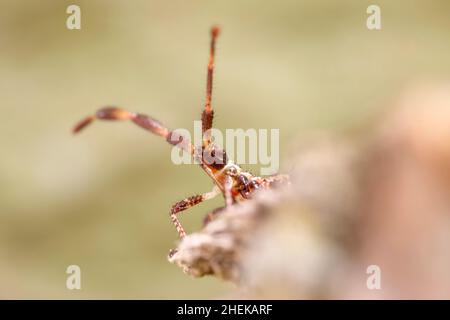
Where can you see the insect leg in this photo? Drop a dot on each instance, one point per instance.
(186, 204)
(227, 191)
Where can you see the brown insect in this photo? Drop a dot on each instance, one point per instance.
(231, 180)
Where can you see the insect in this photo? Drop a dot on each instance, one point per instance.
(230, 180)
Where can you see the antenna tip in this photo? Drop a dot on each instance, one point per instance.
(215, 30)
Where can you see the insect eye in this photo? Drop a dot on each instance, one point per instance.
(215, 157)
(243, 181)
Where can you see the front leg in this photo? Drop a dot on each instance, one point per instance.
(228, 186)
(186, 204)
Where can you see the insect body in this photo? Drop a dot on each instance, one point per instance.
(234, 183)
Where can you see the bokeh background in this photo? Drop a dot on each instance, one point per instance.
(100, 200)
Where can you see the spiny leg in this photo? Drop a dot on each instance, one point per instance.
(228, 185)
(186, 204)
(208, 113)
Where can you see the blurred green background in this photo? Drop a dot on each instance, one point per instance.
(101, 200)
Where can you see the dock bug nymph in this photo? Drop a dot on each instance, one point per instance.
(230, 179)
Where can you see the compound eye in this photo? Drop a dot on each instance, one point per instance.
(243, 186)
(215, 157)
(243, 183)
